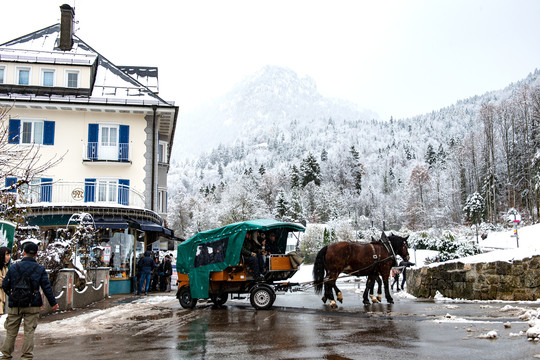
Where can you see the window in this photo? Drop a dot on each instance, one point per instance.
(47, 77)
(23, 76)
(107, 190)
(31, 131)
(162, 201)
(2, 74)
(211, 253)
(108, 142)
(162, 151)
(72, 79)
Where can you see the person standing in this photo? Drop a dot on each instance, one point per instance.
(5, 257)
(167, 272)
(155, 274)
(26, 268)
(145, 265)
(405, 265)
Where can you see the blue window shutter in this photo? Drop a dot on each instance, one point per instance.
(46, 189)
(123, 149)
(89, 190)
(10, 181)
(48, 133)
(93, 133)
(123, 191)
(14, 131)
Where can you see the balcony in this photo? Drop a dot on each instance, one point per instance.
(79, 194)
(94, 152)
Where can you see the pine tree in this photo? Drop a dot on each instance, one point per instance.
(431, 156)
(324, 155)
(295, 177)
(310, 171)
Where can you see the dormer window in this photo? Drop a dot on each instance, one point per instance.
(72, 79)
(47, 77)
(23, 76)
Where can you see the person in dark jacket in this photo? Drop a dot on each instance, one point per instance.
(38, 277)
(145, 265)
(405, 265)
(155, 274)
(253, 257)
(167, 272)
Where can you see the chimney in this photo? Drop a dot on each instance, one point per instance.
(66, 27)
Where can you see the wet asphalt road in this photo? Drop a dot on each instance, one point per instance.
(298, 327)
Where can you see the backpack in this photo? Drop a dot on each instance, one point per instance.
(22, 291)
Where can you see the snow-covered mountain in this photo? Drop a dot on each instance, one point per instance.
(274, 96)
(250, 145)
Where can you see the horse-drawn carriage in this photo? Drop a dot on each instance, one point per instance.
(210, 265)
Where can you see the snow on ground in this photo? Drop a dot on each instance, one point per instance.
(506, 246)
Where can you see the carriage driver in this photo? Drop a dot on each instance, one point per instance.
(252, 252)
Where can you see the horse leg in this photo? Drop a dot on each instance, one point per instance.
(338, 293)
(329, 294)
(387, 290)
(370, 283)
(371, 293)
(379, 291)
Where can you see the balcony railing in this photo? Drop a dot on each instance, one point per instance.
(94, 151)
(79, 193)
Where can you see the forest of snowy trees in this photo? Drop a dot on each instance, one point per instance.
(354, 171)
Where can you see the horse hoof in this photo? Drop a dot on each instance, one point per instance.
(367, 303)
(390, 301)
(333, 304)
(379, 297)
(340, 297)
(324, 299)
(374, 300)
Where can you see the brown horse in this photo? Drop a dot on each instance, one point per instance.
(359, 259)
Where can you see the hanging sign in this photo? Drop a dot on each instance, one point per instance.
(7, 233)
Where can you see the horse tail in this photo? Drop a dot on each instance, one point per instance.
(319, 270)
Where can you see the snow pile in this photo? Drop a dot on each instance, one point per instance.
(533, 317)
(489, 335)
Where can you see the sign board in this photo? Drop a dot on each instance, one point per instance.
(107, 254)
(7, 233)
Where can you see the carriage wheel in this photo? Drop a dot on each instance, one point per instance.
(219, 299)
(262, 297)
(184, 296)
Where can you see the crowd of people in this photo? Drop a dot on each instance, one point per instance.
(153, 275)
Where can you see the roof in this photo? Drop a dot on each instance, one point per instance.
(114, 89)
(110, 82)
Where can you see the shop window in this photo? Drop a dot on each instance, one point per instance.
(211, 252)
(122, 255)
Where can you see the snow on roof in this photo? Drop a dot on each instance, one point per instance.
(146, 75)
(111, 85)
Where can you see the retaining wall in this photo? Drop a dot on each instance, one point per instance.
(500, 280)
(68, 297)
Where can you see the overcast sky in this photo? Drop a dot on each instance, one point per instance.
(398, 58)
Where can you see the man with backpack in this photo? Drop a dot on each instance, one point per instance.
(22, 283)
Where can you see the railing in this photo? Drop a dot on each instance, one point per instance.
(73, 193)
(93, 151)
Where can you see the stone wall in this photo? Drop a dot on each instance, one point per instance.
(500, 280)
(68, 297)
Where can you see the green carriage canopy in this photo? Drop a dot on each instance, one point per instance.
(217, 249)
